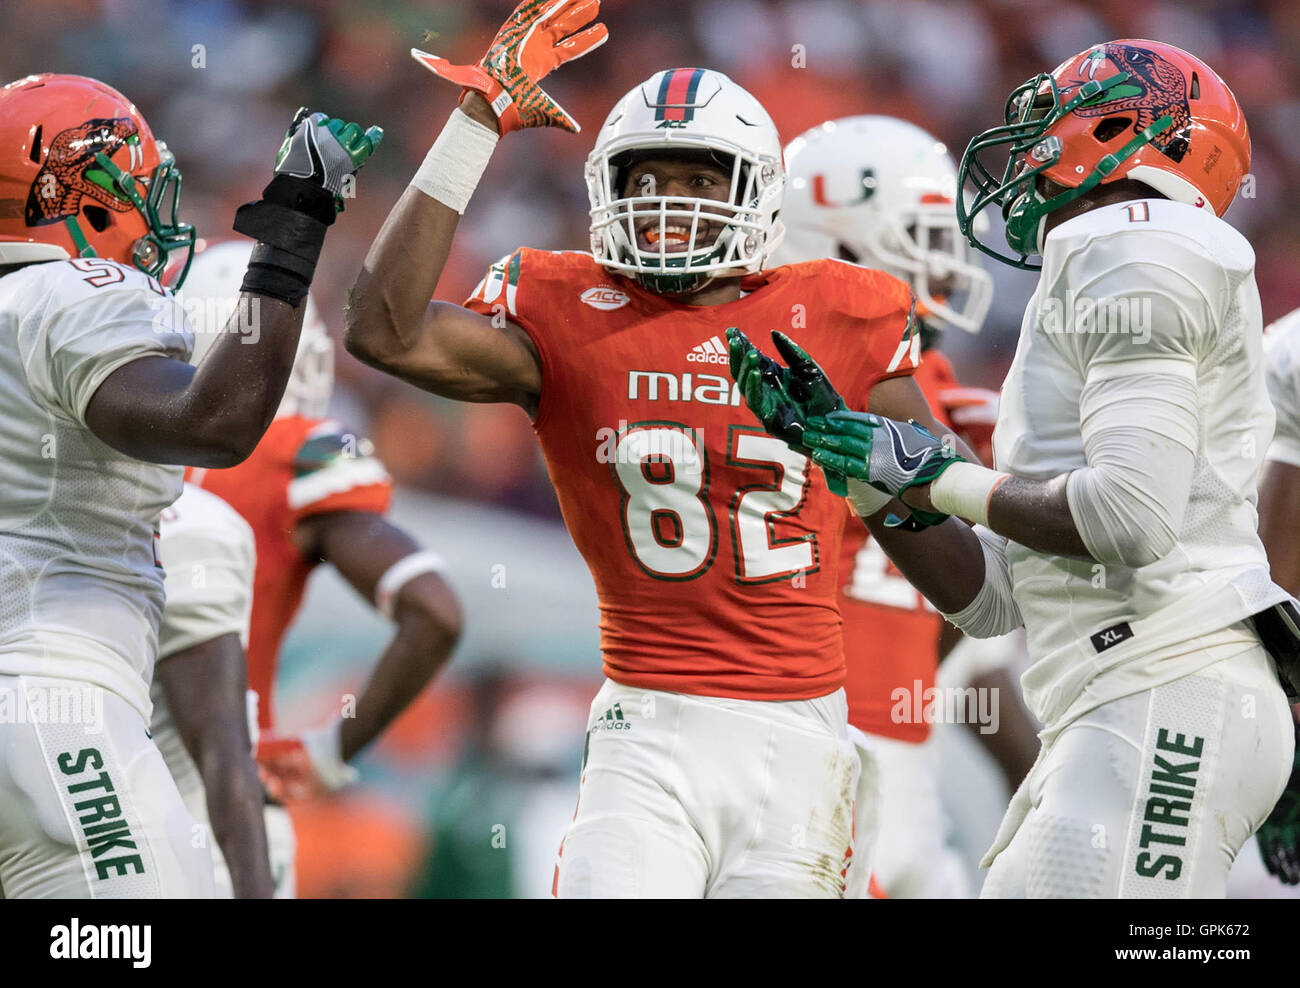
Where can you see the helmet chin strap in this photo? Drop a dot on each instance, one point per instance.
(675, 284)
(1027, 216)
(665, 282)
(78, 238)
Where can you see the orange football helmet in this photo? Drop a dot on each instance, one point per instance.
(82, 176)
(1141, 110)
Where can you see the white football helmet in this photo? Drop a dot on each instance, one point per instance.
(660, 240)
(209, 297)
(881, 192)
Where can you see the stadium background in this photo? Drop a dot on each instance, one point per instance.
(471, 790)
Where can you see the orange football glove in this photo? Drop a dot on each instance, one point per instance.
(973, 412)
(536, 38)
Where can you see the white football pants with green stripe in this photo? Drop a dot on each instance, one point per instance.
(1154, 794)
(88, 809)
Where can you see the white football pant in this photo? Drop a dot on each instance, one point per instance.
(88, 809)
(282, 847)
(703, 797)
(1154, 794)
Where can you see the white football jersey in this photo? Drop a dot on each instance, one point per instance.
(1282, 366)
(1127, 291)
(209, 554)
(83, 591)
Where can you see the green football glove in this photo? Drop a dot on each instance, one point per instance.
(326, 151)
(1279, 835)
(783, 398)
(890, 456)
(789, 400)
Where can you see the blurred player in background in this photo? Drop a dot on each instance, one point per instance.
(201, 718)
(97, 401)
(313, 493)
(717, 761)
(878, 191)
(1123, 536)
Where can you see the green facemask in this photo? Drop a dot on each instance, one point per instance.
(154, 249)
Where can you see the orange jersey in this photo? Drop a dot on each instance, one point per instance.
(891, 632)
(302, 467)
(713, 546)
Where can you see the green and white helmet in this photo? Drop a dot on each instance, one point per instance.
(666, 242)
(881, 192)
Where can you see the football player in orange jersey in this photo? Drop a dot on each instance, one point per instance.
(718, 762)
(312, 493)
(878, 191)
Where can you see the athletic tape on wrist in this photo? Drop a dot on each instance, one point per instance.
(964, 490)
(400, 574)
(274, 282)
(289, 242)
(281, 226)
(451, 170)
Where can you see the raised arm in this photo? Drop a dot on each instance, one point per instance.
(391, 323)
(163, 410)
(437, 346)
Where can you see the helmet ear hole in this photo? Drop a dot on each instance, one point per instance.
(97, 217)
(35, 152)
(1195, 92)
(618, 165)
(1111, 128)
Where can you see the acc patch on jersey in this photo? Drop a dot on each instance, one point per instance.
(605, 298)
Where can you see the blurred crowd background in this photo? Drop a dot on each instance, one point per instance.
(220, 79)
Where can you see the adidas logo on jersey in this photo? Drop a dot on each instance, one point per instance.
(612, 720)
(604, 298)
(711, 351)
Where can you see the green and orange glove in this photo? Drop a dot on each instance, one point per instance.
(537, 37)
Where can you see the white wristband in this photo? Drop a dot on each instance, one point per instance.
(964, 490)
(399, 575)
(452, 168)
(864, 498)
